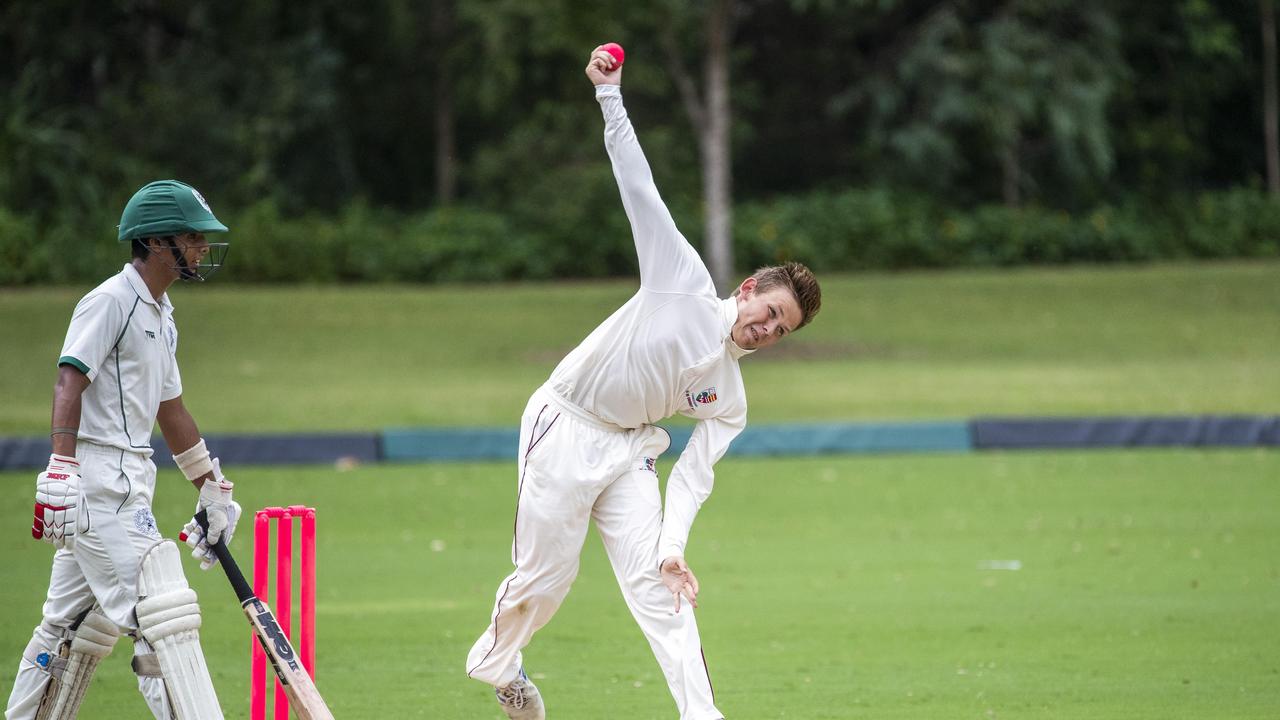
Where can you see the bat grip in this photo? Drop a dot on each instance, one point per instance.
(243, 591)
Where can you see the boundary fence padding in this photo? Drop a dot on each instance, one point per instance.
(474, 444)
(1065, 433)
(275, 449)
(426, 444)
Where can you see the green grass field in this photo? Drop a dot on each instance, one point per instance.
(832, 588)
(1162, 339)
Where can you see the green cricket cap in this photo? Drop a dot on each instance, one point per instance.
(167, 207)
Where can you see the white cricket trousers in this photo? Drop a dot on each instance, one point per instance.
(102, 567)
(574, 468)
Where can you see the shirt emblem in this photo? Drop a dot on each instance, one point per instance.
(648, 464)
(150, 334)
(704, 397)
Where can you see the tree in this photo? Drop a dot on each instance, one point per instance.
(709, 112)
(442, 29)
(1018, 92)
(1188, 118)
(1271, 115)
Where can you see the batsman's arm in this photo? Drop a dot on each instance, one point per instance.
(180, 432)
(95, 327)
(65, 422)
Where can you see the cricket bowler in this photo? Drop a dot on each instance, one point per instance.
(588, 443)
(113, 573)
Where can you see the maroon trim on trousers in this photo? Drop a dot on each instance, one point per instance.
(708, 672)
(524, 466)
(515, 538)
(495, 629)
(534, 443)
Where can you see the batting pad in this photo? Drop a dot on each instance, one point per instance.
(169, 619)
(72, 670)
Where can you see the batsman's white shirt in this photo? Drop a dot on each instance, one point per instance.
(125, 342)
(668, 349)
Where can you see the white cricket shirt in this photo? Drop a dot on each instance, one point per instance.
(668, 349)
(125, 342)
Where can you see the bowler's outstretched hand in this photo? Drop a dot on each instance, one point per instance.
(680, 580)
(603, 68)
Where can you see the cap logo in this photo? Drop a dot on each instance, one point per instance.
(200, 199)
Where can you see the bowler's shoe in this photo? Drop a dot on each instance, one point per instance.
(521, 699)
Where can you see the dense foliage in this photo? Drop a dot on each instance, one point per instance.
(844, 230)
(392, 140)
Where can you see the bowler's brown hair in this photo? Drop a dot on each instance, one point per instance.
(799, 280)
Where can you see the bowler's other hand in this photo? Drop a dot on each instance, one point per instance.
(680, 580)
(603, 68)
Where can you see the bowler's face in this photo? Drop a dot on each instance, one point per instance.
(764, 318)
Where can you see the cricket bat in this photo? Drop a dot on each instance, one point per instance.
(304, 699)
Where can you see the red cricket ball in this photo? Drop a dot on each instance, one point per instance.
(616, 51)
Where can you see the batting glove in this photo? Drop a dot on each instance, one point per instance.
(57, 510)
(223, 513)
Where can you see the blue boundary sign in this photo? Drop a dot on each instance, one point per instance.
(475, 444)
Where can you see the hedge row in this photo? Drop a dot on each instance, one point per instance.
(873, 229)
(850, 230)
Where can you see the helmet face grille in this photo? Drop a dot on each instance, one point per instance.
(201, 270)
(208, 265)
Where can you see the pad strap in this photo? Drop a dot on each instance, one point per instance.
(40, 655)
(146, 665)
(58, 667)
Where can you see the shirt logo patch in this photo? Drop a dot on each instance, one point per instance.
(705, 397)
(648, 464)
(150, 334)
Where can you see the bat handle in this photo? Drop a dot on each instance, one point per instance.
(243, 591)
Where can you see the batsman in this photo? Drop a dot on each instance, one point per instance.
(588, 443)
(113, 573)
